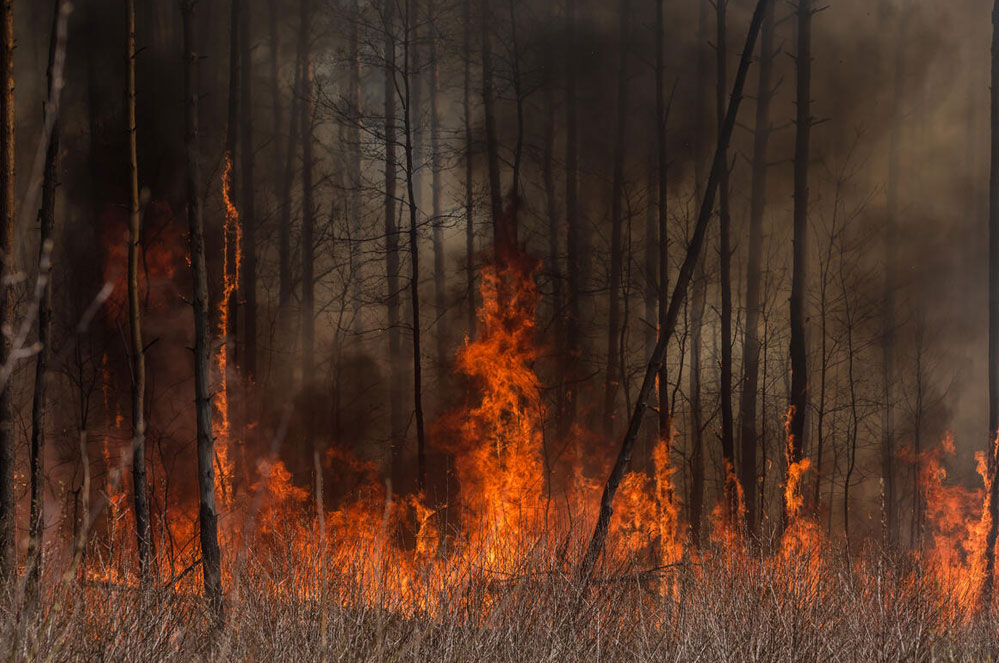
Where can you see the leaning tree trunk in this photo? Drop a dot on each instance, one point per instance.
(725, 261)
(46, 223)
(799, 273)
(611, 377)
(211, 565)
(136, 349)
(748, 471)
(993, 498)
(676, 300)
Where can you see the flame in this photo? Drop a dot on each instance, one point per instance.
(232, 252)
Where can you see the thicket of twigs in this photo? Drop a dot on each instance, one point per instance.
(723, 607)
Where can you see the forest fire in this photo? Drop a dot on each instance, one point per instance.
(397, 331)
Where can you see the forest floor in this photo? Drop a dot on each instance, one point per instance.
(725, 607)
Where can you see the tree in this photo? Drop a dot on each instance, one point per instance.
(7, 505)
(397, 416)
(571, 355)
(211, 566)
(46, 224)
(611, 377)
(136, 348)
(248, 215)
(797, 411)
(725, 260)
(411, 16)
(993, 456)
(748, 471)
(440, 272)
(684, 277)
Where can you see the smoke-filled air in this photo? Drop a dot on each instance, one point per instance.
(499, 330)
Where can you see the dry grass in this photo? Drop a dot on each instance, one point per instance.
(725, 608)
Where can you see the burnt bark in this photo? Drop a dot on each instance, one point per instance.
(993, 457)
(797, 411)
(8, 559)
(414, 248)
(248, 215)
(725, 263)
(211, 563)
(748, 470)
(136, 348)
(46, 225)
(611, 377)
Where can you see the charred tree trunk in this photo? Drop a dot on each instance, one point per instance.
(697, 298)
(248, 269)
(136, 348)
(211, 564)
(725, 261)
(440, 273)
(8, 558)
(356, 126)
(308, 206)
(797, 410)
(888, 301)
(748, 471)
(612, 379)
(469, 221)
(572, 352)
(397, 416)
(551, 201)
(414, 248)
(284, 223)
(665, 413)
(504, 236)
(993, 498)
(46, 224)
(676, 300)
(232, 140)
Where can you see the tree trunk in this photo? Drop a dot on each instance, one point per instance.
(612, 379)
(469, 221)
(748, 471)
(397, 417)
(414, 249)
(136, 350)
(207, 517)
(8, 558)
(284, 315)
(502, 237)
(440, 273)
(993, 498)
(676, 300)
(571, 354)
(799, 367)
(46, 223)
(698, 297)
(248, 269)
(725, 260)
(232, 226)
(308, 206)
(891, 267)
(356, 126)
(665, 413)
